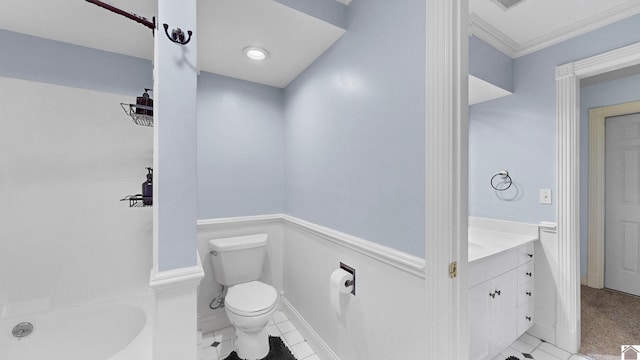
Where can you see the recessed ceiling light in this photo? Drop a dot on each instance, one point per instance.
(255, 53)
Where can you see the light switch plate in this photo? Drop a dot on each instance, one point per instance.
(545, 196)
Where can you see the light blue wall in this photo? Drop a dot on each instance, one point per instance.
(36, 59)
(240, 148)
(489, 64)
(355, 129)
(604, 94)
(175, 141)
(518, 132)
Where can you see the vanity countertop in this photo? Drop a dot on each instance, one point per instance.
(484, 242)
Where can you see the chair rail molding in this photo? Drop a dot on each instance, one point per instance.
(568, 178)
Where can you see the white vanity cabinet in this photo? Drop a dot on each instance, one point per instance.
(492, 311)
(500, 300)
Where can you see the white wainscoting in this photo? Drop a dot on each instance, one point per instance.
(386, 318)
(174, 325)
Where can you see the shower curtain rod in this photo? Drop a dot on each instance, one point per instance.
(137, 18)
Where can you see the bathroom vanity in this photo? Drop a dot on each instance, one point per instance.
(501, 293)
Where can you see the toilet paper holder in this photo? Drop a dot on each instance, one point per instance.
(352, 271)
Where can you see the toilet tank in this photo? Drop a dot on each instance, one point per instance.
(238, 259)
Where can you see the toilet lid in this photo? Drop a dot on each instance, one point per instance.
(252, 298)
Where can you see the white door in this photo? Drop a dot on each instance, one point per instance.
(622, 204)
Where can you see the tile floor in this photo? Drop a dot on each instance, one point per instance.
(278, 326)
(526, 347)
(529, 347)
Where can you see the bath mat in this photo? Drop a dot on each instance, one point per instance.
(277, 351)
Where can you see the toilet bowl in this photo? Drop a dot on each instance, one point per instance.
(249, 306)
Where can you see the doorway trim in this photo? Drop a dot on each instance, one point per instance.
(568, 181)
(446, 179)
(596, 242)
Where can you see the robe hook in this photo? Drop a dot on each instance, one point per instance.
(177, 35)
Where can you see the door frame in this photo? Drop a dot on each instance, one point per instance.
(568, 181)
(446, 179)
(596, 236)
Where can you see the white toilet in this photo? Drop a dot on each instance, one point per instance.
(249, 304)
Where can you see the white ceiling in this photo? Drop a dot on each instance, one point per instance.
(294, 40)
(535, 24)
(225, 27)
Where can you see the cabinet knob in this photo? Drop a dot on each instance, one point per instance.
(528, 318)
(529, 274)
(530, 255)
(528, 293)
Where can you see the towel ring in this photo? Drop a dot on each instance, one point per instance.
(506, 179)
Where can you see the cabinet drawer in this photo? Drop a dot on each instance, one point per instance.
(525, 273)
(525, 317)
(485, 269)
(525, 253)
(525, 292)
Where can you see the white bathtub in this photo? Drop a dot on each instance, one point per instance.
(116, 330)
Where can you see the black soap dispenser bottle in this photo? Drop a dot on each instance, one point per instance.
(147, 189)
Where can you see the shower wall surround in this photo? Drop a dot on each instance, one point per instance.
(66, 237)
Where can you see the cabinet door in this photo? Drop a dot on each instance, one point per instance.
(480, 320)
(505, 305)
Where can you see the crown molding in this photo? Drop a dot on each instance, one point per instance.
(617, 13)
(496, 38)
(491, 35)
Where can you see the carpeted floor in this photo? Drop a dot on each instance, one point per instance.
(277, 351)
(609, 319)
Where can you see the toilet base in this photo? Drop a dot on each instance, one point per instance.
(252, 345)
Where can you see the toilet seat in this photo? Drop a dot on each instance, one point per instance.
(251, 299)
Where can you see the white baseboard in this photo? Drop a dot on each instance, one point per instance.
(216, 321)
(543, 332)
(315, 341)
(583, 280)
(567, 339)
